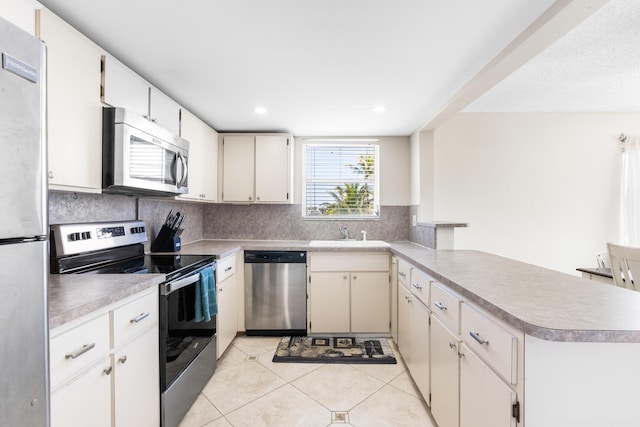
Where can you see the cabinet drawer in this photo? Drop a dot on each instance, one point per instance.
(349, 262)
(132, 318)
(74, 350)
(226, 268)
(446, 306)
(497, 346)
(404, 273)
(420, 284)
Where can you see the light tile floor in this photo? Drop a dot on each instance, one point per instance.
(248, 389)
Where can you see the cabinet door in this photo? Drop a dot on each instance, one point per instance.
(209, 164)
(329, 302)
(136, 382)
(74, 122)
(85, 400)
(203, 158)
(445, 375)
(370, 302)
(272, 168)
(124, 88)
(404, 323)
(164, 111)
(485, 400)
(419, 360)
(238, 168)
(226, 321)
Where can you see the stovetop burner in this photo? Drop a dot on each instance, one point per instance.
(170, 265)
(114, 248)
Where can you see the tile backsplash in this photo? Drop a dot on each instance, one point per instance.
(224, 221)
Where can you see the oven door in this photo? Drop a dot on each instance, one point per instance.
(181, 337)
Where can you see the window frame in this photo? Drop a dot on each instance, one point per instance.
(376, 181)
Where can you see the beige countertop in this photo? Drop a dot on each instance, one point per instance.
(542, 303)
(73, 295)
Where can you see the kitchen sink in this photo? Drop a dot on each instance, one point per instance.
(349, 244)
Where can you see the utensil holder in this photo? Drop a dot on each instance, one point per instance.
(166, 241)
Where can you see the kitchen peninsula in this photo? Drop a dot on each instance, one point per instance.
(578, 340)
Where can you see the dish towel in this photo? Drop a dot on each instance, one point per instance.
(206, 301)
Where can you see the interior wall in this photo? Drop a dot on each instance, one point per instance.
(536, 187)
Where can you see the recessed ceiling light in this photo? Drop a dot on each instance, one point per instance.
(379, 109)
(260, 110)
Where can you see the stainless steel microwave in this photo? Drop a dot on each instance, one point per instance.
(141, 158)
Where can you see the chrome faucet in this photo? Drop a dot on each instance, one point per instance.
(345, 232)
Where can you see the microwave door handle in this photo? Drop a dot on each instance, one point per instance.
(181, 170)
(185, 170)
(179, 284)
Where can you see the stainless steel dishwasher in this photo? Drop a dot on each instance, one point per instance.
(275, 292)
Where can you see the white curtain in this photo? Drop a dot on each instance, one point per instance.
(630, 193)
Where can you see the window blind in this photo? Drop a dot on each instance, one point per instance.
(341, 180)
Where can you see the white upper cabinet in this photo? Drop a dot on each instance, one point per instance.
(122, 87)
(257, 168)
(74, 123)
(272, 168)
(203, 158)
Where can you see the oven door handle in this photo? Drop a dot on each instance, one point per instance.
(179, 284)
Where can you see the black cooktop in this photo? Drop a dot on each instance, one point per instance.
(129, 260)
(171, 265)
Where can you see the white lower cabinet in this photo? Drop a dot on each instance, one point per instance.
(404, 323)
(135, 379)
(394, 298)
(226, 291)
(466, 363)
(485, 399)
(413, 339)
(349, 293)
(104, 366)
(445, 375)
(86, 399)
(419, 347)
(329, 303)
(413, 328)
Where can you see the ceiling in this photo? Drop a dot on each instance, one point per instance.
(595, 67)
(320, 67)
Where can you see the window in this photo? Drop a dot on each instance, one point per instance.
(341, 180)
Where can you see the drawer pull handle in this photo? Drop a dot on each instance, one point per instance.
(439, 305)
(476, 336)
(228, 269)
(402, 274)
(108, 370)
(140, 318)
(80, 351)
(452, 345)
(123, 359)
(415, 285)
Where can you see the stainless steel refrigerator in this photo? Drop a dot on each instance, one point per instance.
(24, 335)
